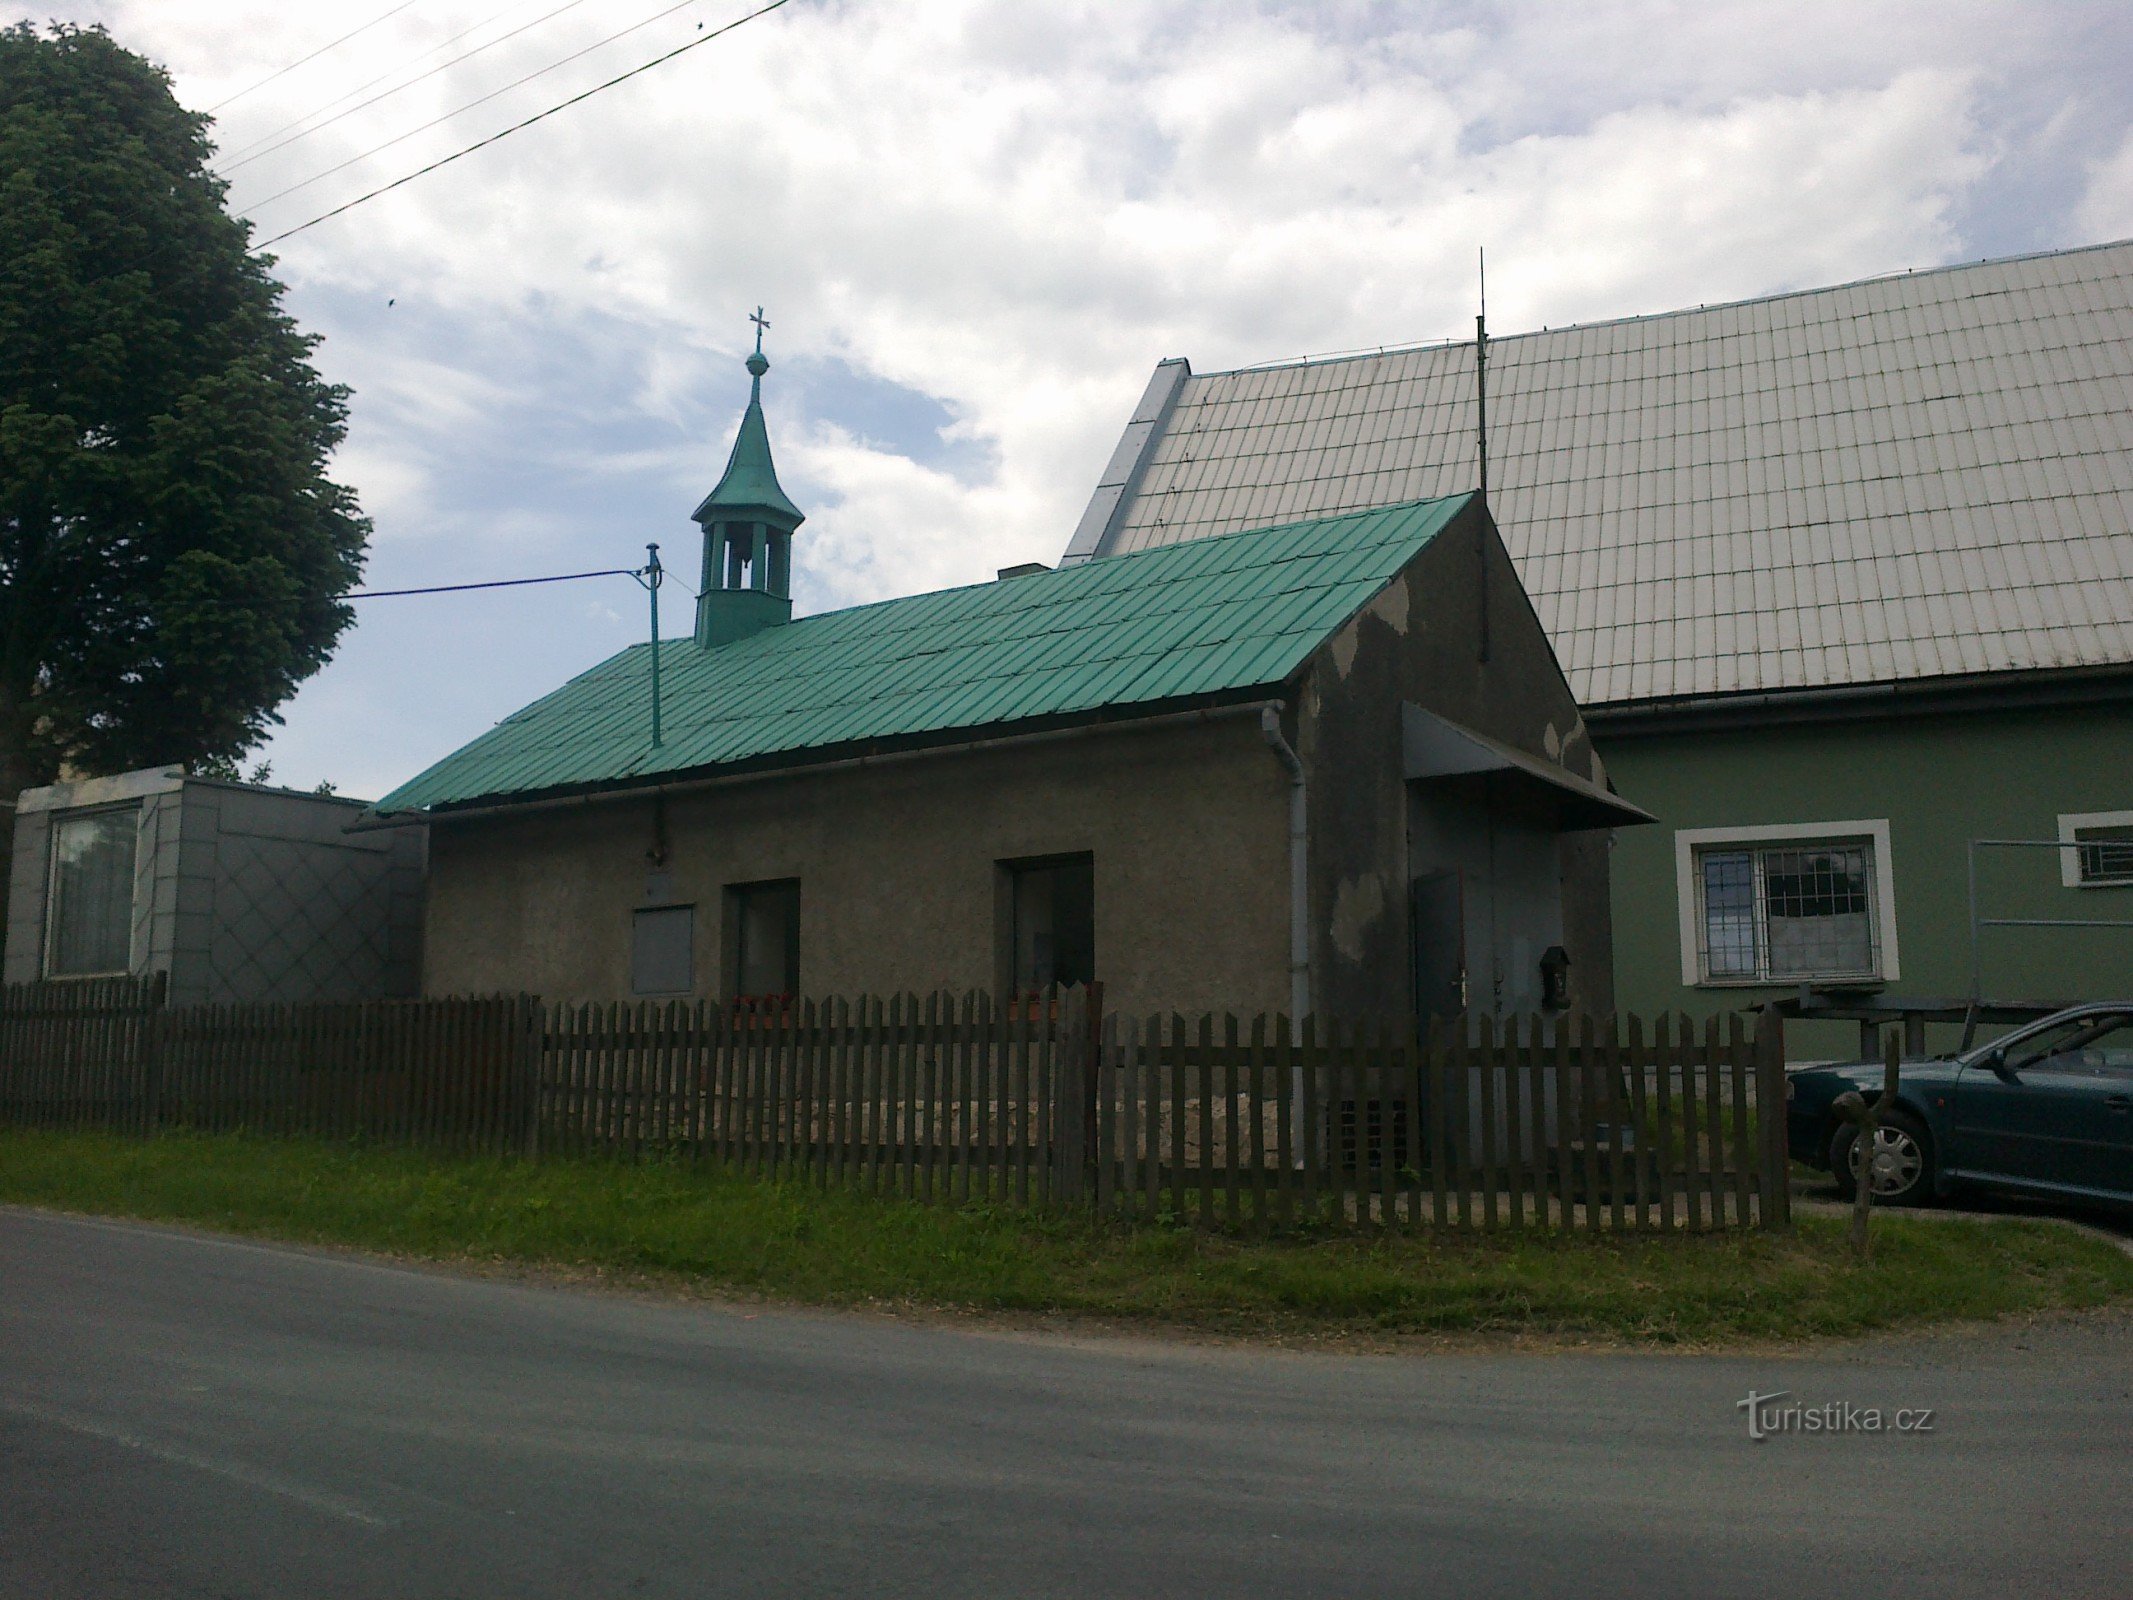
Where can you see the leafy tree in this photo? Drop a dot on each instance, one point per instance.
(172, 554)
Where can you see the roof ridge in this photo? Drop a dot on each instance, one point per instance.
(1371, 353)
(1035, 578)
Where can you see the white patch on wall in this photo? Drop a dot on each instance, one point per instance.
(1345, 644)
(1357, 905)
(1392, 607)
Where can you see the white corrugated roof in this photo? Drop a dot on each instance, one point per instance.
(1903, 478)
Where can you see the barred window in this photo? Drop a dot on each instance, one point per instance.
(2106, 854)
(1787, 911)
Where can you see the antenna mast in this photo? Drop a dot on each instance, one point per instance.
(651, 575)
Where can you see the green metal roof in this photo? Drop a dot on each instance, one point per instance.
(1204, 618)
(750, 481)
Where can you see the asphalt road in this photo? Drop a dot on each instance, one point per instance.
(185, 1415)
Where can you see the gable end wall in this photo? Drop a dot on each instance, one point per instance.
(1419, 641)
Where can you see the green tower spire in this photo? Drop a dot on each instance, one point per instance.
(748, 524)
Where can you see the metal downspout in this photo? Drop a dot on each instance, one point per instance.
(1299, 866)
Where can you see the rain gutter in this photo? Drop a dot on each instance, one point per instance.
(2013, 689)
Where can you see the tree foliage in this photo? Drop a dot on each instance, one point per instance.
(172, 554)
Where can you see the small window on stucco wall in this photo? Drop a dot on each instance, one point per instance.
(763, 958)
(663, 950)
(1052, 913)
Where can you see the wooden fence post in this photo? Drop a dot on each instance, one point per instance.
(1073, 1121)
(532, 1041)
(1771, 1111)
(1091, 1067)
(149, 1053)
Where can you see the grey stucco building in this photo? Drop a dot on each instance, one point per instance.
(236, 891)
(1214, 778)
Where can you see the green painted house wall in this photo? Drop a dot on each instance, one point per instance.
(1939, 780)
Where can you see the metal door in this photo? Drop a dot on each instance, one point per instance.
(1437, 917)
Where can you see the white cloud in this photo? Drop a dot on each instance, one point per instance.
(2106, 209)
(1016, 209)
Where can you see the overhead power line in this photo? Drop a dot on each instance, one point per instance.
(542, 72)
(494, 583)
(260, 148)
(372, 83)
(539, 116)
(321, 50)
(161, 246)
(639, 573)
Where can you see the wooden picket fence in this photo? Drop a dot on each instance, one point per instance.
(1219, 1121)
(104, 1053)
(73, 1051)
(1544, 1123)
(937, 1098)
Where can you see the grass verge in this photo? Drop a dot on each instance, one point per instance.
(707, 1229)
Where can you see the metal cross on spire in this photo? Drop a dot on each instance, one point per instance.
(760, 324)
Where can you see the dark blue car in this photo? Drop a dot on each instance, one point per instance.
(2047, 1110)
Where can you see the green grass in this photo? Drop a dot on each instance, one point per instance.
(709, 1230)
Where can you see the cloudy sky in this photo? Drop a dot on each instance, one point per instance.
(977, 224)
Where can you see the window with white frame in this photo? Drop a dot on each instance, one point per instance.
(89, 910)
(2104, 858)
(1786, 905)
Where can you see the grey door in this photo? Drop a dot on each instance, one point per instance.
(1437, 916)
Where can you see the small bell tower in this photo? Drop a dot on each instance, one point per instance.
(748, 526)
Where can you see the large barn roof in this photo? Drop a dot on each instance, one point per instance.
(1175, 627)
(1898, 479)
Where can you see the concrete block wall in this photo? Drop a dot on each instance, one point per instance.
(278, 901)
(26, 895)
(242, 893)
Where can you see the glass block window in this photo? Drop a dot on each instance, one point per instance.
(89, 913)
(1787, 911)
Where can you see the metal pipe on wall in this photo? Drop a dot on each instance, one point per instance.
(1299, 863)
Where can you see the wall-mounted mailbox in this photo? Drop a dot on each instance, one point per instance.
(1555, 978)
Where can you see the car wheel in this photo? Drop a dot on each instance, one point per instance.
(1903, 1161)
